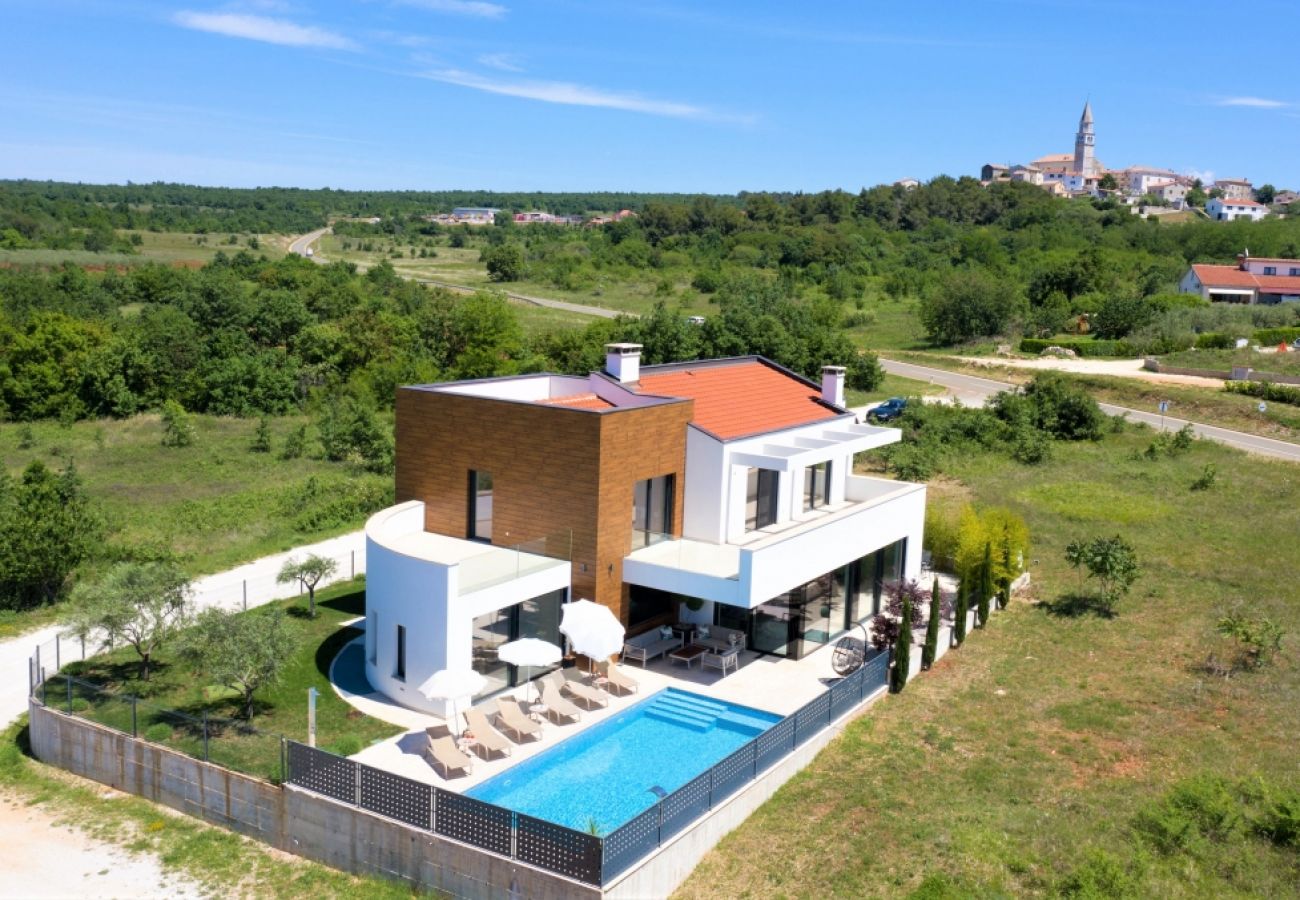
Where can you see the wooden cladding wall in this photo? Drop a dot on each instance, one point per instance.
(555, 470)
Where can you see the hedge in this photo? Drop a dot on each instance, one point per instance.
(1265, 390)
(1082, 348)
(1266, 336)
(1215, 340)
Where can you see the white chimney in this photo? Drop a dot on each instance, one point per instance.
(833, 385)
(623, 362)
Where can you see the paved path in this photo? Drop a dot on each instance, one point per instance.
(302, 244)
(255, 581)
(973, 390)
(1117, 368)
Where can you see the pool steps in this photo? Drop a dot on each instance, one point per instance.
(701, 714)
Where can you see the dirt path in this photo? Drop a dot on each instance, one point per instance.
(40, 858)
(1120, 368)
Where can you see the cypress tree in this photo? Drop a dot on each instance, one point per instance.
(1004, 597)
(963, 610)
(986, 586)
(928, 652)
(903, 648)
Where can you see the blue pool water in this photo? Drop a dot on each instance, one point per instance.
(604, 774)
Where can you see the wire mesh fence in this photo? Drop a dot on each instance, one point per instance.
(231, 743)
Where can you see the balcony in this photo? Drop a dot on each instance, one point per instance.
(875, 513)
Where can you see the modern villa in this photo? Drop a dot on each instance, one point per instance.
(717, 493)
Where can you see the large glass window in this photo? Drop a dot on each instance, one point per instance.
(760, 498)
(652, 510)
(816, 485)
(480, 506)
(536, 618)
(651, 604)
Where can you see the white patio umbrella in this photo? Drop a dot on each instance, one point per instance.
(529, 653)
(592, 629)
(454, 685)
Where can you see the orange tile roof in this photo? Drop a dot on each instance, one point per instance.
(1234, 277)
(579, 401)
(740, 398)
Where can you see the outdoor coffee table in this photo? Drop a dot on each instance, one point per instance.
(689, 654)
(538, 711)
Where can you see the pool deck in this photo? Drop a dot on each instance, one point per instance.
(768, 683)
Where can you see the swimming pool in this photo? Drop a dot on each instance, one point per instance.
(603, 776)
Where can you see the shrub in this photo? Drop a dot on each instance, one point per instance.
(295, 444)
(941, 531)
(932, 626)
(1215, 340)
(912, 461)
(158, 732)
(1209, 475)
(1111, 561)
(1265, 390)
(1093, 348)
(321, 503)
(261, 437)
(1280, 820)
(178, 430)
(1099, 877)
(1205, 807)
(903, 646)
(707, 281)
(79, 704)
(1258, 639)
(986, 586)
(962, 613)
(1266, 336)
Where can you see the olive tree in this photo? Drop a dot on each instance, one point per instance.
(142, 605)
(241, 651)
(309, 573)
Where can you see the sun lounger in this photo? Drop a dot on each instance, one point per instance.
(443, 752)
(558, 709)
(487, 740)
(619, 682)
(586, 694)
(513, 719)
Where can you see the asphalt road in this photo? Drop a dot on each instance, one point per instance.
(973, 390)
(300, 244)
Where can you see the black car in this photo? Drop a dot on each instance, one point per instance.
(889, 410)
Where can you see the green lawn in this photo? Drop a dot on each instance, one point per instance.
(892, 386)
(281, 709)
(1032, 760)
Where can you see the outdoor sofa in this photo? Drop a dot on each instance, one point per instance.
(719, 639)
(645, 647)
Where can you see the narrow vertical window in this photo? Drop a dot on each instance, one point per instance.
(480, 506)
(816, 485)
(399, 671)
(652, 510)
(760, 498)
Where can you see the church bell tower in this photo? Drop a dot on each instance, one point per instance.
(1084, 141)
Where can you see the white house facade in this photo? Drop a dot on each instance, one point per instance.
(1222, 209)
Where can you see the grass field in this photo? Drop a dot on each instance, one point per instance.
(280, 709)
(168, 247)
(214, 503)
(1032, 761)
(1224, 360)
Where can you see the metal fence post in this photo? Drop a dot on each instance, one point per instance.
(356, 769)
(284, 764)
(38, 660)
(58, 654)
(68, 678)
(245, 595)
(354, 564)
(83, 646)
(135, 730)
(205, 735)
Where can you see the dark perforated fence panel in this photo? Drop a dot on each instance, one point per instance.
(558, 849)
(397, 797)
(474, 822)
(733, 772)
(684, 805)
(323, 772)
(812, 718)
(875, 673)
(774, 743)
(628, 843)
(844, 695)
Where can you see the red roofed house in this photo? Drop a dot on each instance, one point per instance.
(1221, 209)
(727, 483)
(1251, 280)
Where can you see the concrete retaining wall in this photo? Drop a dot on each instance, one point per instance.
(290, 819)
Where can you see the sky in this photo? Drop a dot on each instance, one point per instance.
(690, 96)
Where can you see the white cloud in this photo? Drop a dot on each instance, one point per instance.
(478, 8)
(571, 95)
(1253, 102)
(262, 28)
(505, 62)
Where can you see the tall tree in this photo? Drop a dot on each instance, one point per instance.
(986, 585)
(963, 612)
(903, 645)
(47, 528)
(142, 605)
